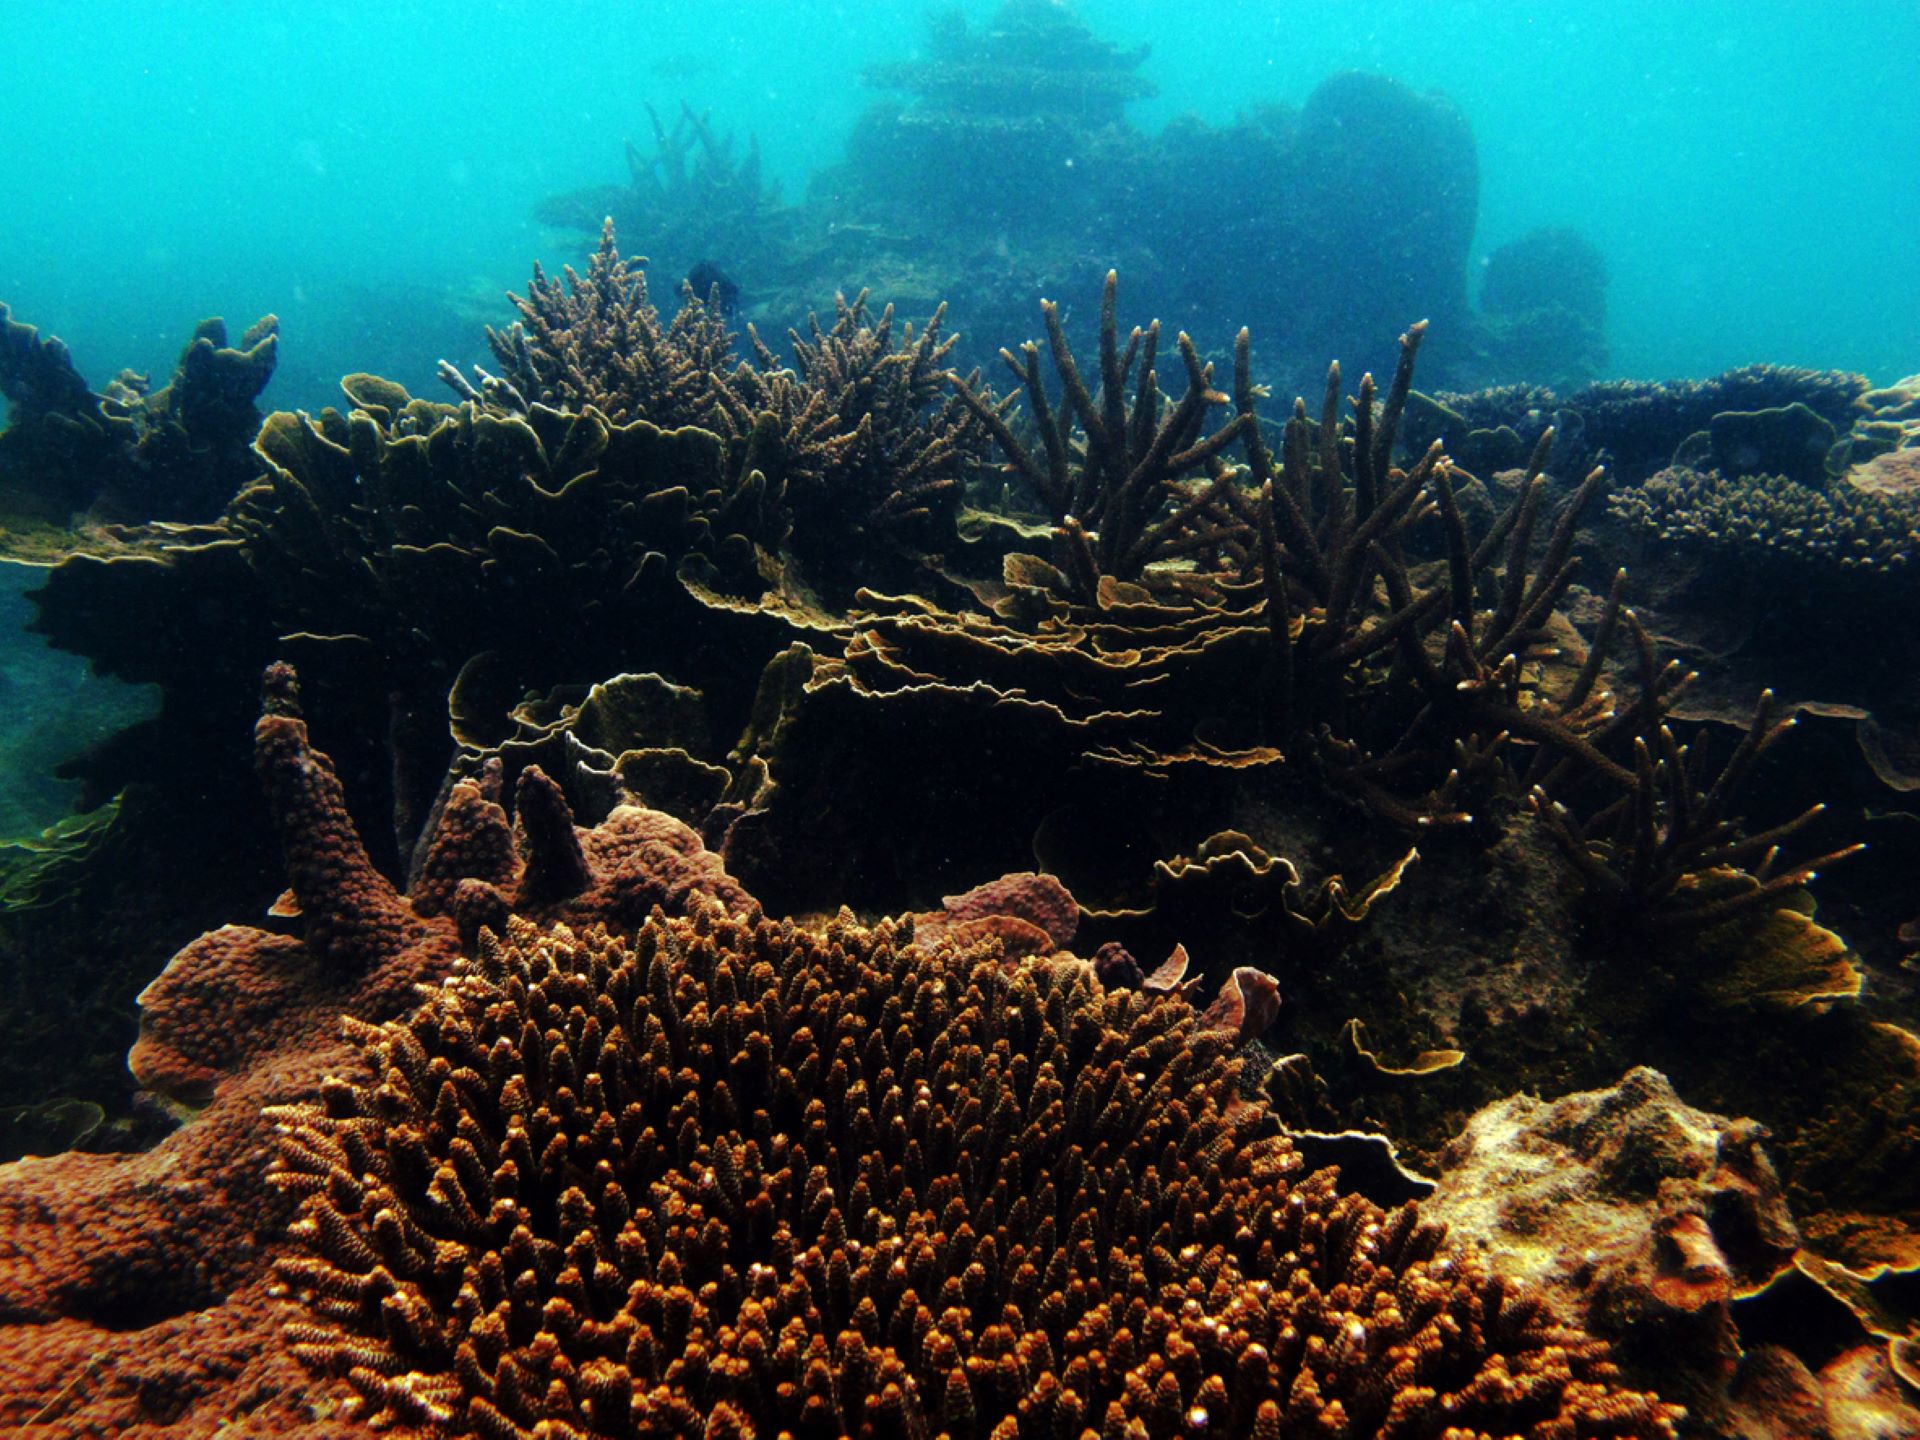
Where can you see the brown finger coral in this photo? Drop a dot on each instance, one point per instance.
(736, 1178)
(145, 1269)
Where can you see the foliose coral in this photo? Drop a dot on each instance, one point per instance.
(735, 1178)
(130, 452)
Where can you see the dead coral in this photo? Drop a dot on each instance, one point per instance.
(1642, 1216)
(758, 1179)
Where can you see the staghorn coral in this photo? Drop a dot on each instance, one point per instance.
(1111, 471)
(745, 1179)
(1671, 852)
(1282, 611)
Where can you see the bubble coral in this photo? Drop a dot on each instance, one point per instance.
(738, 1178)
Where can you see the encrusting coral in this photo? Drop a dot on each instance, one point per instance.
(737, 1178)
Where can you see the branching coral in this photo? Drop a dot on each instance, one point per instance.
(1109, 481)
(737, 1179)
(693, 171)
(1837, 529)
(855, 431)
(597, 340)
(694, 195)
(1670, 852)
(862, 437)
(105, 1257)
(1310, 547)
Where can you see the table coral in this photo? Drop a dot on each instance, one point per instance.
(736, 1178)
(1834, 535)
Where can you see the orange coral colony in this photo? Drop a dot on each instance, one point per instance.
(736, 1178)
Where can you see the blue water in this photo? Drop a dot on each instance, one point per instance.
(1746, 168)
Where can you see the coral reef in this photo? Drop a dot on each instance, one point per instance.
(698, 201)
(856, 434)
(639, 635)
(1641, 424)
(758, 1179)
(131, 452)
(1848, 531)
(172, 1242)
(1367, 177)
(1543, 307)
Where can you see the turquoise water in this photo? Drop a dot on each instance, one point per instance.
(51, 709)
(367, 171)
